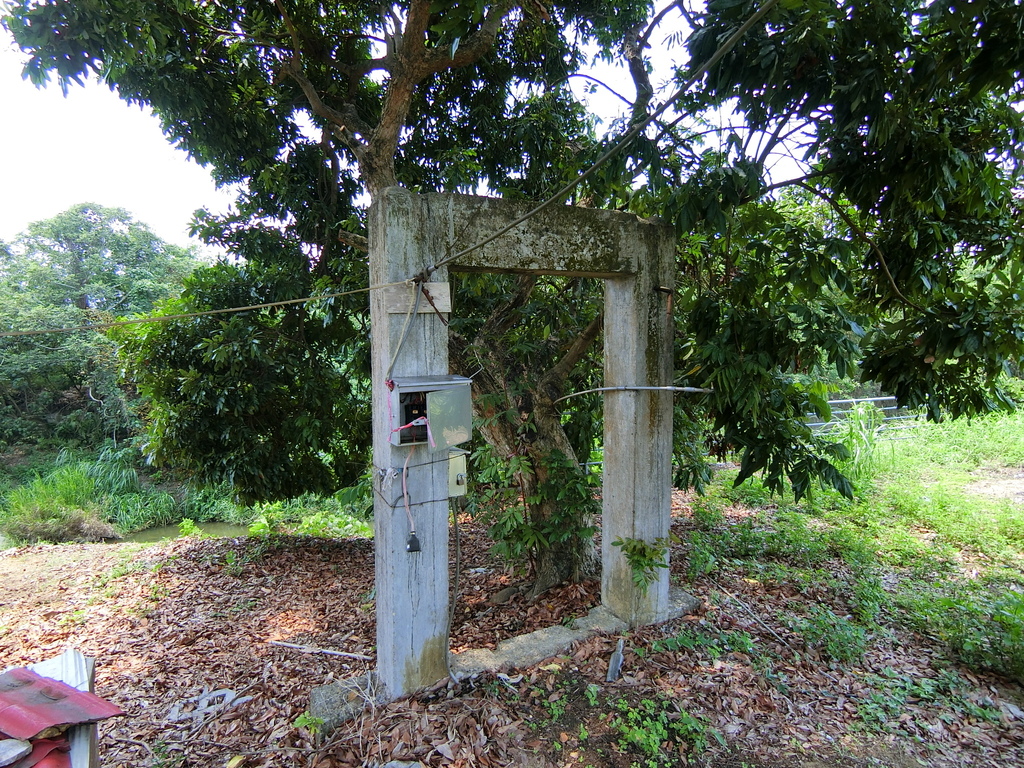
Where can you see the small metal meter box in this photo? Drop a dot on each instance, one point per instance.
(457, 479)
(431, 410)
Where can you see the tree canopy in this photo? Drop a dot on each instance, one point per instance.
(95, 258)
(85, 265)
(899, 120)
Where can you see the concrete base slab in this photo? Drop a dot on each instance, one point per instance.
(343, 700)
(680, 603)
(527, 650)
(600, 620)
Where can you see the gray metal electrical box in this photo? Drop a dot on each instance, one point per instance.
(457, 477)
(436, 411)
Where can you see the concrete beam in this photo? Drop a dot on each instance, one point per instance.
(563, 240)
(636, 258)
(342, 700)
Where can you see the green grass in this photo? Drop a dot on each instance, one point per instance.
(996, 439)
(954, 557)
(84, 500)
(63, 506)
(918, 504)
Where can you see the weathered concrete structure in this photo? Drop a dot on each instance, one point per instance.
(636, 259)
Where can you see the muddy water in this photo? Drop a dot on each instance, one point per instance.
(212, 530)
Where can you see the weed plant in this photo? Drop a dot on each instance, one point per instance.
(24, 465)
(703, 557)
(782, 535)
(707, 515)
(983, 623)
(836, 637)
(657, 728)
(187, 527)
(206, 505)
(892, 691)
(334, 524)
(343, 515)
(713, 642)
(859, 430)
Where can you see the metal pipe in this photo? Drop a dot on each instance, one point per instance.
(691, 390)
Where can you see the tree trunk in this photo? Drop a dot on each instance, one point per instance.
(506, 385)
(575, 558)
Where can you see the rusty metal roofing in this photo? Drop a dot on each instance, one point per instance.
(47, 753)
(29, 704)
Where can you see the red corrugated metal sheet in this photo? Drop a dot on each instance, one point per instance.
(47, 753)
(29, 704)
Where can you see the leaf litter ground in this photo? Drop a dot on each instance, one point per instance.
(171, 623)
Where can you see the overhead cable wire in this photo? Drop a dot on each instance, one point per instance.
(189, 315)
(635, 131)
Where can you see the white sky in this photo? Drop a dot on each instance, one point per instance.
(90, 147)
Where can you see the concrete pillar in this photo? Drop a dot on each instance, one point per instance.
(637, 494)
(412, 587)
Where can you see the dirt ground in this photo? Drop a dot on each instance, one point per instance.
(171, 623)
(1002, 483)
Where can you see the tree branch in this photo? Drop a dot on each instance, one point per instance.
(645, 38)
(352, 240)
(688, 16)
(632, 49)
(346, 121)
(359, 69)
(603, 84)
(416, 21)
(557, 375)
(290, 26)
(413, 63)
(793, 182)
(474, 45)
(505, 315)
(857, 230)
